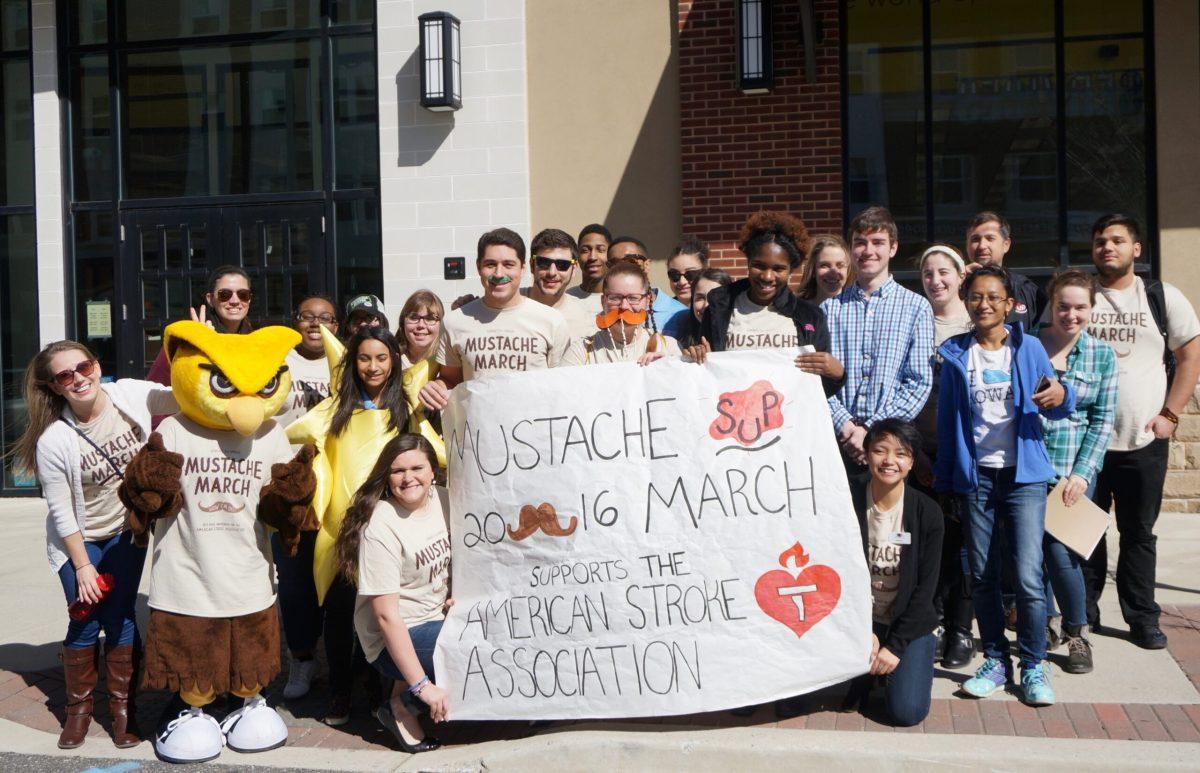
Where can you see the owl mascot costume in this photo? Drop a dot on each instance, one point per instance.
(210, 484)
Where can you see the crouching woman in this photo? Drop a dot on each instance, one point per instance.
(902, 537)
(395, 544)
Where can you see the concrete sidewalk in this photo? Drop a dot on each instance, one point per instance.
(1138, 709)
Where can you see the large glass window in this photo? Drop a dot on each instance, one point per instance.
(223, 120)
(1033, 108)
(200, 128)
(18, 242)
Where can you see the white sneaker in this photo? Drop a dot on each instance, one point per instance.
(300, 678)
(255, 727)
(193, 736)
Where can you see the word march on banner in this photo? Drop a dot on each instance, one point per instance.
(638, 541)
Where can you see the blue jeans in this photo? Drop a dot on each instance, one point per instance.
(1064, 574)
(119, 557)
(908, 689)
(424, 637)
(302, 616)
(1020, 510)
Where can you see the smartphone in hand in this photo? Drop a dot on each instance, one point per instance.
(1042, 384)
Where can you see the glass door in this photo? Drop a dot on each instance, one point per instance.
(282, 248)
(167, 257)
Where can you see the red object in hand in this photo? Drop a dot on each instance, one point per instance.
(82, 610)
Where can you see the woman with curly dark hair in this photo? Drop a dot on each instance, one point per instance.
(760, 312)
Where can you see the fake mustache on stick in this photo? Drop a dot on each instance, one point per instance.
(609, 318)
(499, 280)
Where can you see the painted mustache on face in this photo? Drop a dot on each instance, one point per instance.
(499, 280)
(609, 318)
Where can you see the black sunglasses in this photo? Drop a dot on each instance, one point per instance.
(562, 264)
(225, 294)
(692, 274)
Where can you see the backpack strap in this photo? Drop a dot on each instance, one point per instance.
(1156, 297)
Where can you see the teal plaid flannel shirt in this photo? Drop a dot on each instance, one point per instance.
(1076, 444)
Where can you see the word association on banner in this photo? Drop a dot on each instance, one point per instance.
(614, 555)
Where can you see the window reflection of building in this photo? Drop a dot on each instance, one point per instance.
(1001, 120)
(18, 244)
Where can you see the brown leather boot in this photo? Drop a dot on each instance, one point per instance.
(79, 670)
(120, 670)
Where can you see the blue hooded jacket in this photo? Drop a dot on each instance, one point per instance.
(955, 468)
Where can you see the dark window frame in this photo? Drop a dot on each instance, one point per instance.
(116, 47)
(1150, 237)
(27, 210)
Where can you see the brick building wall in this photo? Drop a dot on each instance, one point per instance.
(1182, 492)
(741, 153)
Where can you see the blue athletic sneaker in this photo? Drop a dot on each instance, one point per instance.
(990, 677)
(1035, 681)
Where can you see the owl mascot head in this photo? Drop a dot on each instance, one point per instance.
(211, 485)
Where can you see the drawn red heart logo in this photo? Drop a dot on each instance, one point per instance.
(782, 595)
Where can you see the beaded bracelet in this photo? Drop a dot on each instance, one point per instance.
(415, 690)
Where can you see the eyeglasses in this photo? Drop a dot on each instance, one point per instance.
(308, 318)
(429, 319)
(634, 257)
(691, 275)
(614, 299)
(225, 294)
(67, 377)
(541, 263)
(993, 299)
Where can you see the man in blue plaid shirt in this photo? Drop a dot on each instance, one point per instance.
(883, 334)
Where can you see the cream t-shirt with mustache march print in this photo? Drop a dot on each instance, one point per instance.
(1123, 320)
(479, 339)
(213, 559)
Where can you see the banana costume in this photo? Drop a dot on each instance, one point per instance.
(345, 460)
(210, 482)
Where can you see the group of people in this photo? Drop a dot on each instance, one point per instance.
(957, 411)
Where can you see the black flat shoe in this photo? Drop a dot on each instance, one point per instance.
(388, 720)
(960, 647)
(1149, 637)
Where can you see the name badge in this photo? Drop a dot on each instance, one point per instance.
(900, 538)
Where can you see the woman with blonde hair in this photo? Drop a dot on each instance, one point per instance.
(828, 269)
(421, 322)
(81, 435)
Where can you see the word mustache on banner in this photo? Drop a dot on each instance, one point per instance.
(694, 547)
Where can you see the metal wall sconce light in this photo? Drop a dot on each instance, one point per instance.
(441, 61)
(756, 65)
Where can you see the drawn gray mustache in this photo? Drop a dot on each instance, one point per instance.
(221, 507)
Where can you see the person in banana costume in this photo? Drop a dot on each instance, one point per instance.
(372, 399)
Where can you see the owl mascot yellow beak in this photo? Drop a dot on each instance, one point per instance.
(211, 482)
(345, 460)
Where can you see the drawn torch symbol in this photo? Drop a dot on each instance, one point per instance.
(796, 556)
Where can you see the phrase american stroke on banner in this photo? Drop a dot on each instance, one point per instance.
(639, 541)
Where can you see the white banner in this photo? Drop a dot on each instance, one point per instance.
(633, 542)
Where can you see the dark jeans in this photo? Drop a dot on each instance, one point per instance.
(341, 645)
(1064, 579)
(908, 689)
(1019, 510)
(1133, 482)
(953, 600)
(302, 616)
(424, 638)
(119, 557)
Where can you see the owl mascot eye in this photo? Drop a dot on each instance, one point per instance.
(210, 484)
